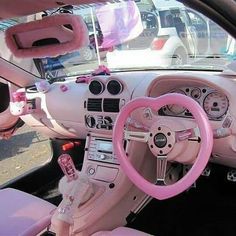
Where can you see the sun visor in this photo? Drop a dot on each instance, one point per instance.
(49, 37)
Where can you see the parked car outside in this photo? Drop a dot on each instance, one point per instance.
(174, 35)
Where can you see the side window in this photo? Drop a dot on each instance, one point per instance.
(166, 19)
(218, 38)
(209, 36)
(149, 20)
(23, 152)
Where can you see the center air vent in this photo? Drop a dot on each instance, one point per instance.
(114, 87)
(94, 104)
(111, 105)
(96, 87)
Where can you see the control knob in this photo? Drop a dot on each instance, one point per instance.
(90, 121)
(102, 157)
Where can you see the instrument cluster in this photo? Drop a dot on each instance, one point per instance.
(214, 103)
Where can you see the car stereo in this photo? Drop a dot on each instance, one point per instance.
(101, 149)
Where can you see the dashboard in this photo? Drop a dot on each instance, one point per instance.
(89, 110)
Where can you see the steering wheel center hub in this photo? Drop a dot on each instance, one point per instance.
(161, 140)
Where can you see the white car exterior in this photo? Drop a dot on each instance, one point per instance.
(188, 37)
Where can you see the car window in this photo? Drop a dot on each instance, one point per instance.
(166, 19)
(149, 20)
(24, 152)
(172, 17)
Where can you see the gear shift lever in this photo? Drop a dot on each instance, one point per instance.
(75, 188)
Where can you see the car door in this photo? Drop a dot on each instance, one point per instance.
(198, 27)
(180, 21)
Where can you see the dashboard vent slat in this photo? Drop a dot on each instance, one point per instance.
(111, 105)
(94, 104)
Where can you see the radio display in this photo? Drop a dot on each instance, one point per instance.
(104, 146)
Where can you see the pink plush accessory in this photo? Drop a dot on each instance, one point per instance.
(20, 38)
(101, 70)
(43, 86)
(66, 187)
(83, 79)
(63, 88)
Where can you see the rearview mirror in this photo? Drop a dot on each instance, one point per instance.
(49, 37)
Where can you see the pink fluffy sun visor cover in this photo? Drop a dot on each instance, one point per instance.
(20, 38)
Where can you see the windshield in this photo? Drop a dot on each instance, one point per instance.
(139, 35)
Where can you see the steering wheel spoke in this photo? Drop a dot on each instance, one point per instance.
(161, 169)
(136, 136)
(192, 134)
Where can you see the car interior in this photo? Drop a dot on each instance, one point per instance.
(135, 150)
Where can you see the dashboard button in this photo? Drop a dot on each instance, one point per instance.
(91, 171)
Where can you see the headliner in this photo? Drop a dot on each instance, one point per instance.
(16, 8)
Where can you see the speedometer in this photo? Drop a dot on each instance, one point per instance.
(176, 109)
(215, 105)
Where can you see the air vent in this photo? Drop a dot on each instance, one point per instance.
(111, 105)
(114, 87)
(94, 104)
(96, 87)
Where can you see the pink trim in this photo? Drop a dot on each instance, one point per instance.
(51, 25)
(164, 192)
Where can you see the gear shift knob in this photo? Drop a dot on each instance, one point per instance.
(67, 165)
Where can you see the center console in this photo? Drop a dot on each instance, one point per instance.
(100, 163)
(114, 195)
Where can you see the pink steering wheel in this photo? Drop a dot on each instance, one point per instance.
(157, 191)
